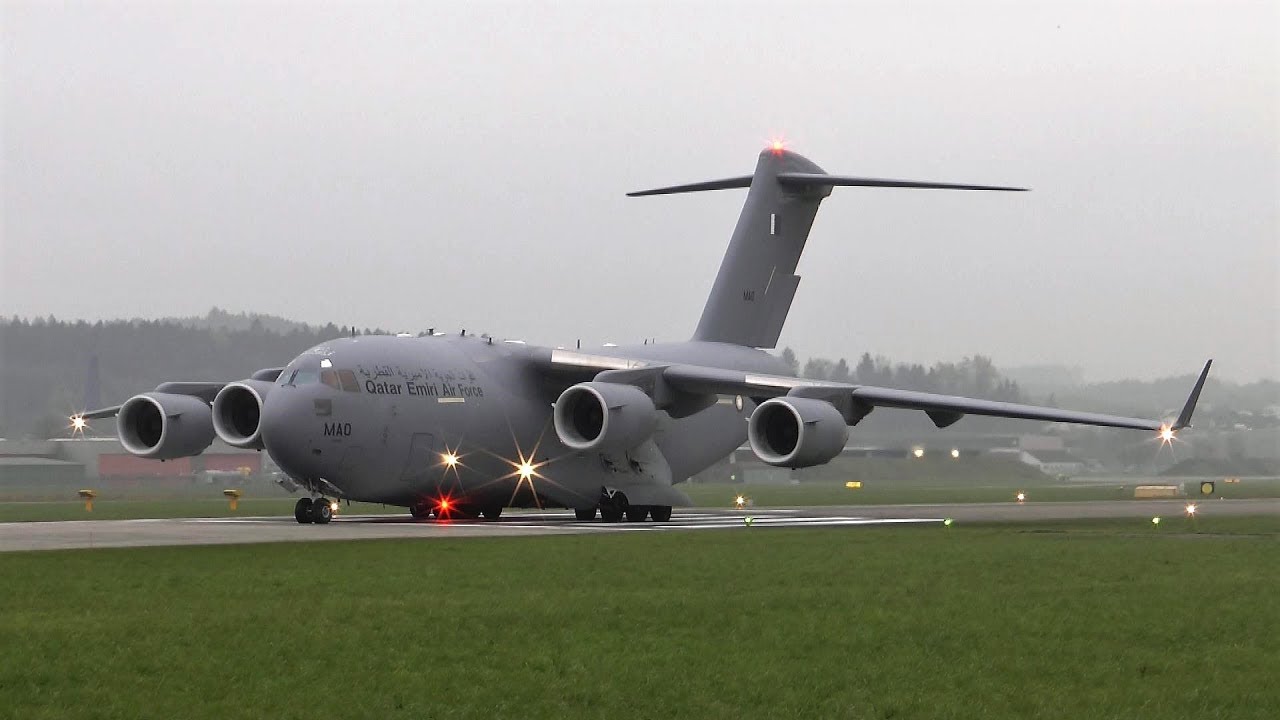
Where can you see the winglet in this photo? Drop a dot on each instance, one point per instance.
(1184, 418)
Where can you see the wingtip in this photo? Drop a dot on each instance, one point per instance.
(1184, 418)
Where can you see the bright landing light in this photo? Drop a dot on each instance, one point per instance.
(1191, 509)
(450, 459)
(525, 470)
(740, 502)
(1166, 434)
(78, 425)
(1022, 497)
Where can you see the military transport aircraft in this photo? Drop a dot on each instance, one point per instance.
(464, 426)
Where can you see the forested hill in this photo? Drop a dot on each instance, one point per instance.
(44, 363)
(219, 319)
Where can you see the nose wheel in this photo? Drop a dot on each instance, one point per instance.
(318, 511)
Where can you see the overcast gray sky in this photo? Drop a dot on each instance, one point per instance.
(463, 165)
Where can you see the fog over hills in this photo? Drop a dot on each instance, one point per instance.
(466, 165)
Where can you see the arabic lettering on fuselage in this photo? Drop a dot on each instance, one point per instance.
(421, 382)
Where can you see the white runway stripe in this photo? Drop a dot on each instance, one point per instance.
(694, 520)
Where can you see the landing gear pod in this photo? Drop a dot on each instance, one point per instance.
(237, 413)
(604, 417)
(796, 432)
(162, 426)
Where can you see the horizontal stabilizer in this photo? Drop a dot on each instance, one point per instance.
(725, 184)
(797, 179)
(805, 180)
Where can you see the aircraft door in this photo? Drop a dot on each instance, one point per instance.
(422, 459)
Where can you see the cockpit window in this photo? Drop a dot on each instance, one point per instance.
(349, 382)
(344, 380)
(309, 369)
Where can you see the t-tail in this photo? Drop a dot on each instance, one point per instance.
(757, 282)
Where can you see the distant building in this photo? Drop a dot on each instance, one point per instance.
(1059, 463)
(39, 465)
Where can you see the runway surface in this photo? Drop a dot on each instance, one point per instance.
(220, 531)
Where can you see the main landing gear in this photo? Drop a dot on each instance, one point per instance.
(318, 511)
(614, 507)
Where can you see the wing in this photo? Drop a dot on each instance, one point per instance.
(854, 401)
(206, 391)
(942, 409)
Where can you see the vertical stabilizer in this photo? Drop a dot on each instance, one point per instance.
(756, 283)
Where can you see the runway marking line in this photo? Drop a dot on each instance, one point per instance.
(703, 521)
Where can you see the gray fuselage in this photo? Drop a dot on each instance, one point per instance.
(379, 418)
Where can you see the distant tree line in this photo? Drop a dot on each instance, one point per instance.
(1223, 405)
(974, 376)
(44, 362)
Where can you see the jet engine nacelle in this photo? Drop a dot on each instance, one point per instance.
(604, 417)
(162, 426)
(237, 413)
(796, 432)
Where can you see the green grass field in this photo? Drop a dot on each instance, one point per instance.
(1097, 619)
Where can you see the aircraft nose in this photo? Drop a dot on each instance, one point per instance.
(285, 411)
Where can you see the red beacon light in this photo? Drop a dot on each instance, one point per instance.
(776, 147)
